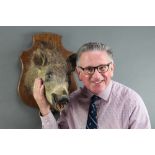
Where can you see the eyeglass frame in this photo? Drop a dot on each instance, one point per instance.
(94, 68)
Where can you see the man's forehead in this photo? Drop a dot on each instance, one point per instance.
(94, 58)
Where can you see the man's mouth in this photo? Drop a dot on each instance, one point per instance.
(97, 82)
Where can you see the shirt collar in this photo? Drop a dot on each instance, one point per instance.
(106, 93)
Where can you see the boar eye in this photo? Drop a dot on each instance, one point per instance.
(49, 76)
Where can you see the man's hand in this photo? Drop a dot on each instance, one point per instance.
(39, 96)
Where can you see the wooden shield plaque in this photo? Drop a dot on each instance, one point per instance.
(50, 40)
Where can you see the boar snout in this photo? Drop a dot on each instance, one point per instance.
(59, 101)
(63, 99)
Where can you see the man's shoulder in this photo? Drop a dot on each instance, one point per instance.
(119, 87)
(123, 90)
(80, 93)
(76, 94)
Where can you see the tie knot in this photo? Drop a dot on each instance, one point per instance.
(94, 98)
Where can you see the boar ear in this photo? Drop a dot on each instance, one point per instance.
(71, 62)
(39, 58)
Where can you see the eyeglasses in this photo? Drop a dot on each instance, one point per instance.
(101, 69)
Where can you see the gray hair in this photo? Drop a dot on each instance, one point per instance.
(94, 46)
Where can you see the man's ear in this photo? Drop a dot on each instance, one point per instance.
(78, 73)
(71, 62)
(112, 68)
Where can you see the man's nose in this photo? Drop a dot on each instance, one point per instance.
(96, 74)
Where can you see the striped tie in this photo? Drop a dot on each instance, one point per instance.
(92, 114)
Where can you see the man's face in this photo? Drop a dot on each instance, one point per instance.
(96, 82)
